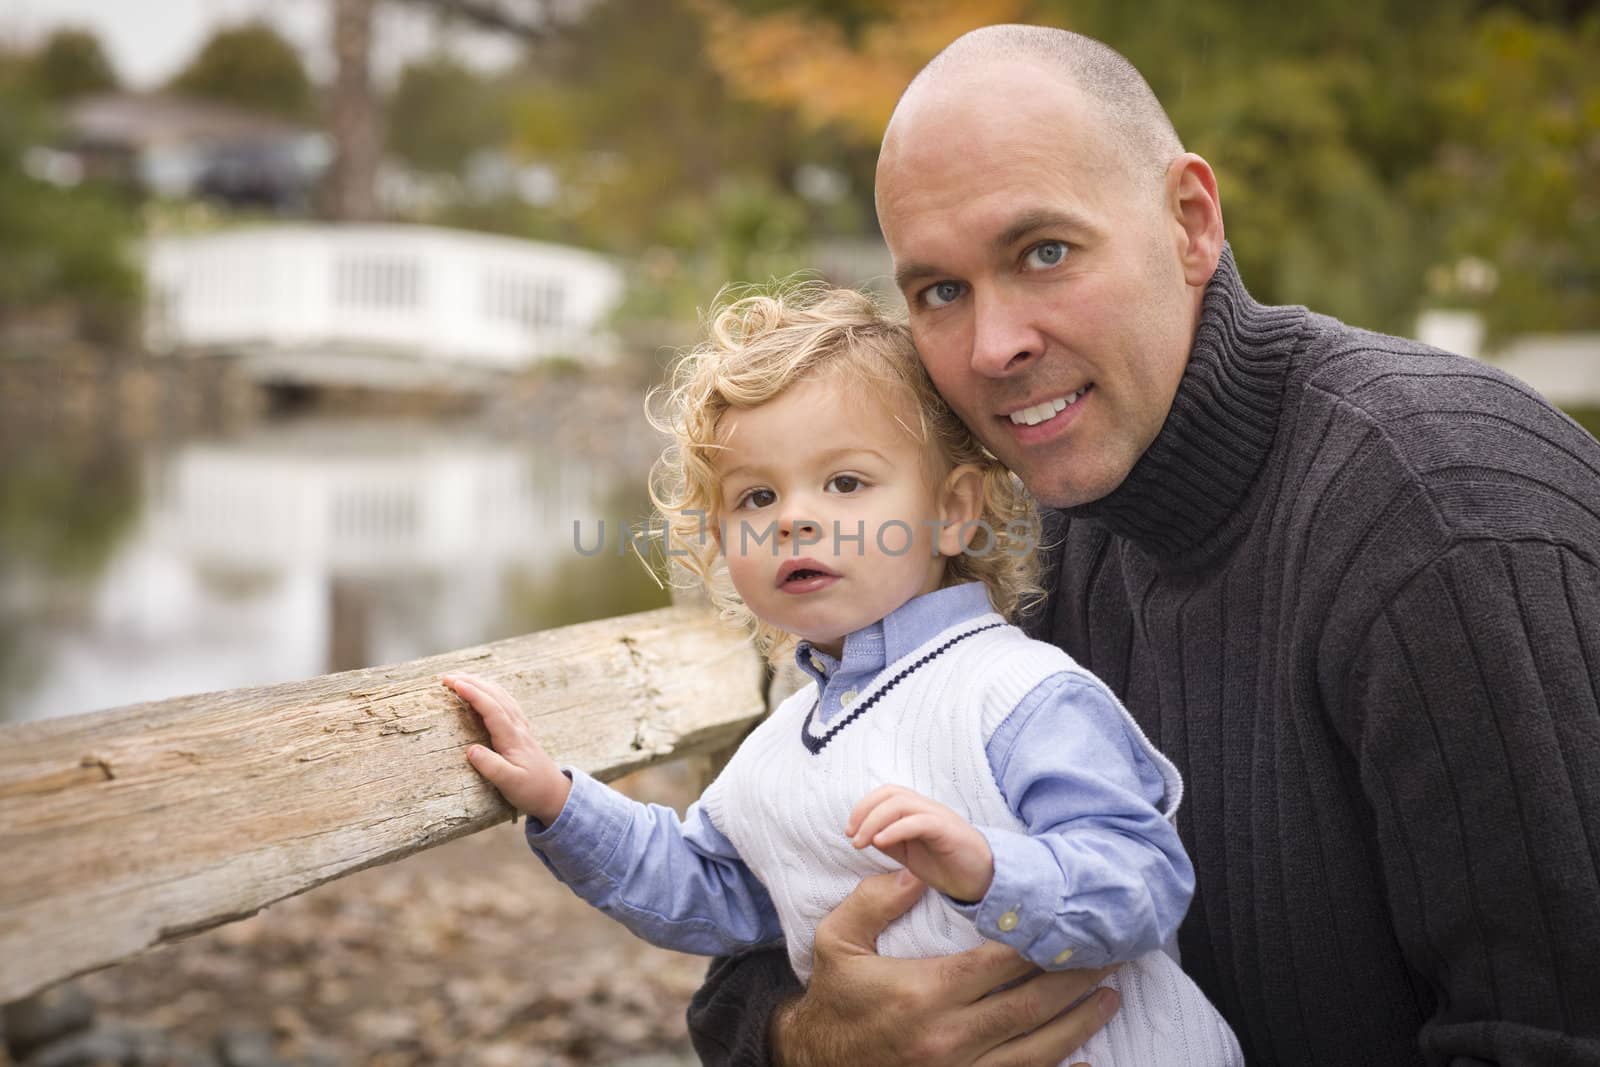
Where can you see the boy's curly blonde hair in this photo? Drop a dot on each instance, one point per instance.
(760, 345)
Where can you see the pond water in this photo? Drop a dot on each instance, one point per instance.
(136, 571)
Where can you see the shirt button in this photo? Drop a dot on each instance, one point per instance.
(816, 661)
(847, 697)
(1062, 957)
(1008, 921)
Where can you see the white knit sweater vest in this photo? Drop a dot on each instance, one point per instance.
(925, 723)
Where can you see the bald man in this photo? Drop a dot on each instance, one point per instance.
(1349, 584)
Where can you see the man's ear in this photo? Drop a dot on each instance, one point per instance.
(1197, 216)
(960, 504)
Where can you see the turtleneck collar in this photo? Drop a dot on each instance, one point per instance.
(1184, 499)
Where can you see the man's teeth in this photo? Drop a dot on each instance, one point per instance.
(1045, 409)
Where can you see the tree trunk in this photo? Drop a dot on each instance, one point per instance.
(355, 120)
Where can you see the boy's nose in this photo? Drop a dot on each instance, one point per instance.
(795, 526)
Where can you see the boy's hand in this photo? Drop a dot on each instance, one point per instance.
(933, 842)
(527, 777)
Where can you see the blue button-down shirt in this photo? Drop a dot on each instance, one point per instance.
(1098, 877)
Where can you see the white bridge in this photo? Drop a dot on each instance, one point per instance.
(377, 305)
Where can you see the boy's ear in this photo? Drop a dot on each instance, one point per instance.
(960, 503)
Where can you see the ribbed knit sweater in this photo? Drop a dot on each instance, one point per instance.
(1352, 590)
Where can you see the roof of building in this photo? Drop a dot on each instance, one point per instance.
(146, 120)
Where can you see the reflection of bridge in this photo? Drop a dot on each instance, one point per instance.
(364, 500)
(377, 305)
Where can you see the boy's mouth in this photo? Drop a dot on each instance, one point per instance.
(804, 576)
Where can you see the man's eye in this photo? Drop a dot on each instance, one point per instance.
(1045, 254)
(844, 483)
(939, 294)
(758, 498)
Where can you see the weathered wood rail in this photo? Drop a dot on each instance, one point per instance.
(123, 829)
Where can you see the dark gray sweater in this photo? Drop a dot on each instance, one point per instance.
(1353, 591)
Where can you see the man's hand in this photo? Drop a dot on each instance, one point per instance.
(517, 766)
(864, 1008)
(927, 838)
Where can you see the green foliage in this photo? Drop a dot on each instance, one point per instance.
(601, 585)
(1588, 418)
(660, 161)
(59, 247)
(250, 66)
(1521, 168)
(64, 511)
(442, 112)
(71, 64)
(747, 231)
(1308, 116)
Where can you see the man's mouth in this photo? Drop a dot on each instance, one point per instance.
(1046, 409)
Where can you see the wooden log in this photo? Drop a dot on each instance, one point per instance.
(122, 829)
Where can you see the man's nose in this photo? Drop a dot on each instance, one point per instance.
(1004, 338)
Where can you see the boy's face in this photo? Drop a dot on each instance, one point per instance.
(827, 503)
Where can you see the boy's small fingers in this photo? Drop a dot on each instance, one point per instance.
(902, 830)
(862, 811)
(468, 689)
(885, 814)
(483, 701)
(876, 795)
(873, 799)
(491, 764)
(498, 691)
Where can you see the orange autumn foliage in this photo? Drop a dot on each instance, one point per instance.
(805, 62)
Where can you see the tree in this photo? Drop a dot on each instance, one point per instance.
(71, 64)
(353, 115)
(693, 186)
(252, 66)
(64, 249)
(1519, 180)
(843, 63)
(442, 112)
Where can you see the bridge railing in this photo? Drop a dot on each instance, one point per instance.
(433, 294)
(124, 829)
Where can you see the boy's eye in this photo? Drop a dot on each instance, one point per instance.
(939, 294)
(844, 483)
(757, 498)
(1045, 254)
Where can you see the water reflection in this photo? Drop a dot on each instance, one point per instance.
(290, 550)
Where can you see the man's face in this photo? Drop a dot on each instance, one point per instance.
(1043, 281)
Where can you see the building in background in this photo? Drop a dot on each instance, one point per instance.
(167, 145)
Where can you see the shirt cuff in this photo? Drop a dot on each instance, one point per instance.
(1024, 903)
(584, 836)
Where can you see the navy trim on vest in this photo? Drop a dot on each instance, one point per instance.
(816, 744)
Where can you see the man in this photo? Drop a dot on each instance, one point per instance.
(1350, 585)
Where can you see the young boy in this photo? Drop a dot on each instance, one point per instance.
(831, 501)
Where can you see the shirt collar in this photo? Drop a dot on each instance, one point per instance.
(907, 627)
